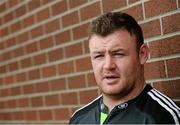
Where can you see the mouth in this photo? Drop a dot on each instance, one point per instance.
(111, 78)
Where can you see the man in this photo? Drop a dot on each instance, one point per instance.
(118, 55)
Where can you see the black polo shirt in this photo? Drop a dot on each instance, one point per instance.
(150, 107)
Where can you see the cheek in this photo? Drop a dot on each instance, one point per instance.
(127, 67)
(97, 69)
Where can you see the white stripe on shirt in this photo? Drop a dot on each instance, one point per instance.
(86, 105)
(164, 106)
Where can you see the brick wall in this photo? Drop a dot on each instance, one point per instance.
(45, 69)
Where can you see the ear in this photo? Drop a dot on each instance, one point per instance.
(143, 54)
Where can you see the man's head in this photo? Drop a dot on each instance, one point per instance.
(117, 65)
(111, 22)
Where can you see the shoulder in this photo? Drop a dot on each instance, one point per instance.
(78, 114)
(162, 107)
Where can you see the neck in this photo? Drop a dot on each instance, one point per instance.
(113, 100)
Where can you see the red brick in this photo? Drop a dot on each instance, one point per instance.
(86, 46)
(38, 31)
(49, 71)
(27, 89)
(52, 26)
(154, 26)
(2, 7)
(40, 59)
(132, 1)
(155, 8)
(15, 27)
(155, 70)
(9, 79)
(31, 48)
(42, 87)
(90, 11)
(76, 81)
(28, 21)
(169, 88)
(73, 3)
(1, 82)
(37, 101)
(59, 7)
(135, 11)
(16, 91)
(6, 116)
(5, 92)
(83, 64)
(13, 66)
(173, 67)
(31, 115)
(21, 77)
(165, 47)
(66, 67)
(61, 114)
(6, 56)
(110, 5)
(46, 1)
(10, 42)
(18, 52)
(23, 102)
(3, 69)
(8, 17)
(70, 19)
(171, 23)
(2, 45)
(11, 104)
(2, 105)
(80, 31)
(73, 50)
(69, 98)
(52, 100)
(55, 55)
(27, 62)
(4, 32)
(62, 37)
(12, 3)
(32, 5)
(91, 80)
(23, 37)
(18, 115)
(46, 43)
(57, 84)
(34, 74)
(43, 14)
(87, 96)
(20, 11)
(45, 115)
(1, 22)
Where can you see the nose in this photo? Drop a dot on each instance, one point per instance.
(109, 63)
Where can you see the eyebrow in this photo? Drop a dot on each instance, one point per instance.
(112, 51)
(116, 50)
(97, 52)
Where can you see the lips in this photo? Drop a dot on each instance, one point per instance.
(110, 79)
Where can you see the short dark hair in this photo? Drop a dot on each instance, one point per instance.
(114, 21)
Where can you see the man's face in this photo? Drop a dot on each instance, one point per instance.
(116, 63)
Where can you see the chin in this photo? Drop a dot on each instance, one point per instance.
(112, 91)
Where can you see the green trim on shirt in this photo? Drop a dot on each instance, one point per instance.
(103, 117)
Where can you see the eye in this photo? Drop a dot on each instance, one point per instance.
(118, 54)
(98, 56)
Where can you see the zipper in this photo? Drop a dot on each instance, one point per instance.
(109, 115)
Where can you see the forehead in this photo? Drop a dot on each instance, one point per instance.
(119, 39)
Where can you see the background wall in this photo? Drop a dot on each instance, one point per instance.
(45, 71)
